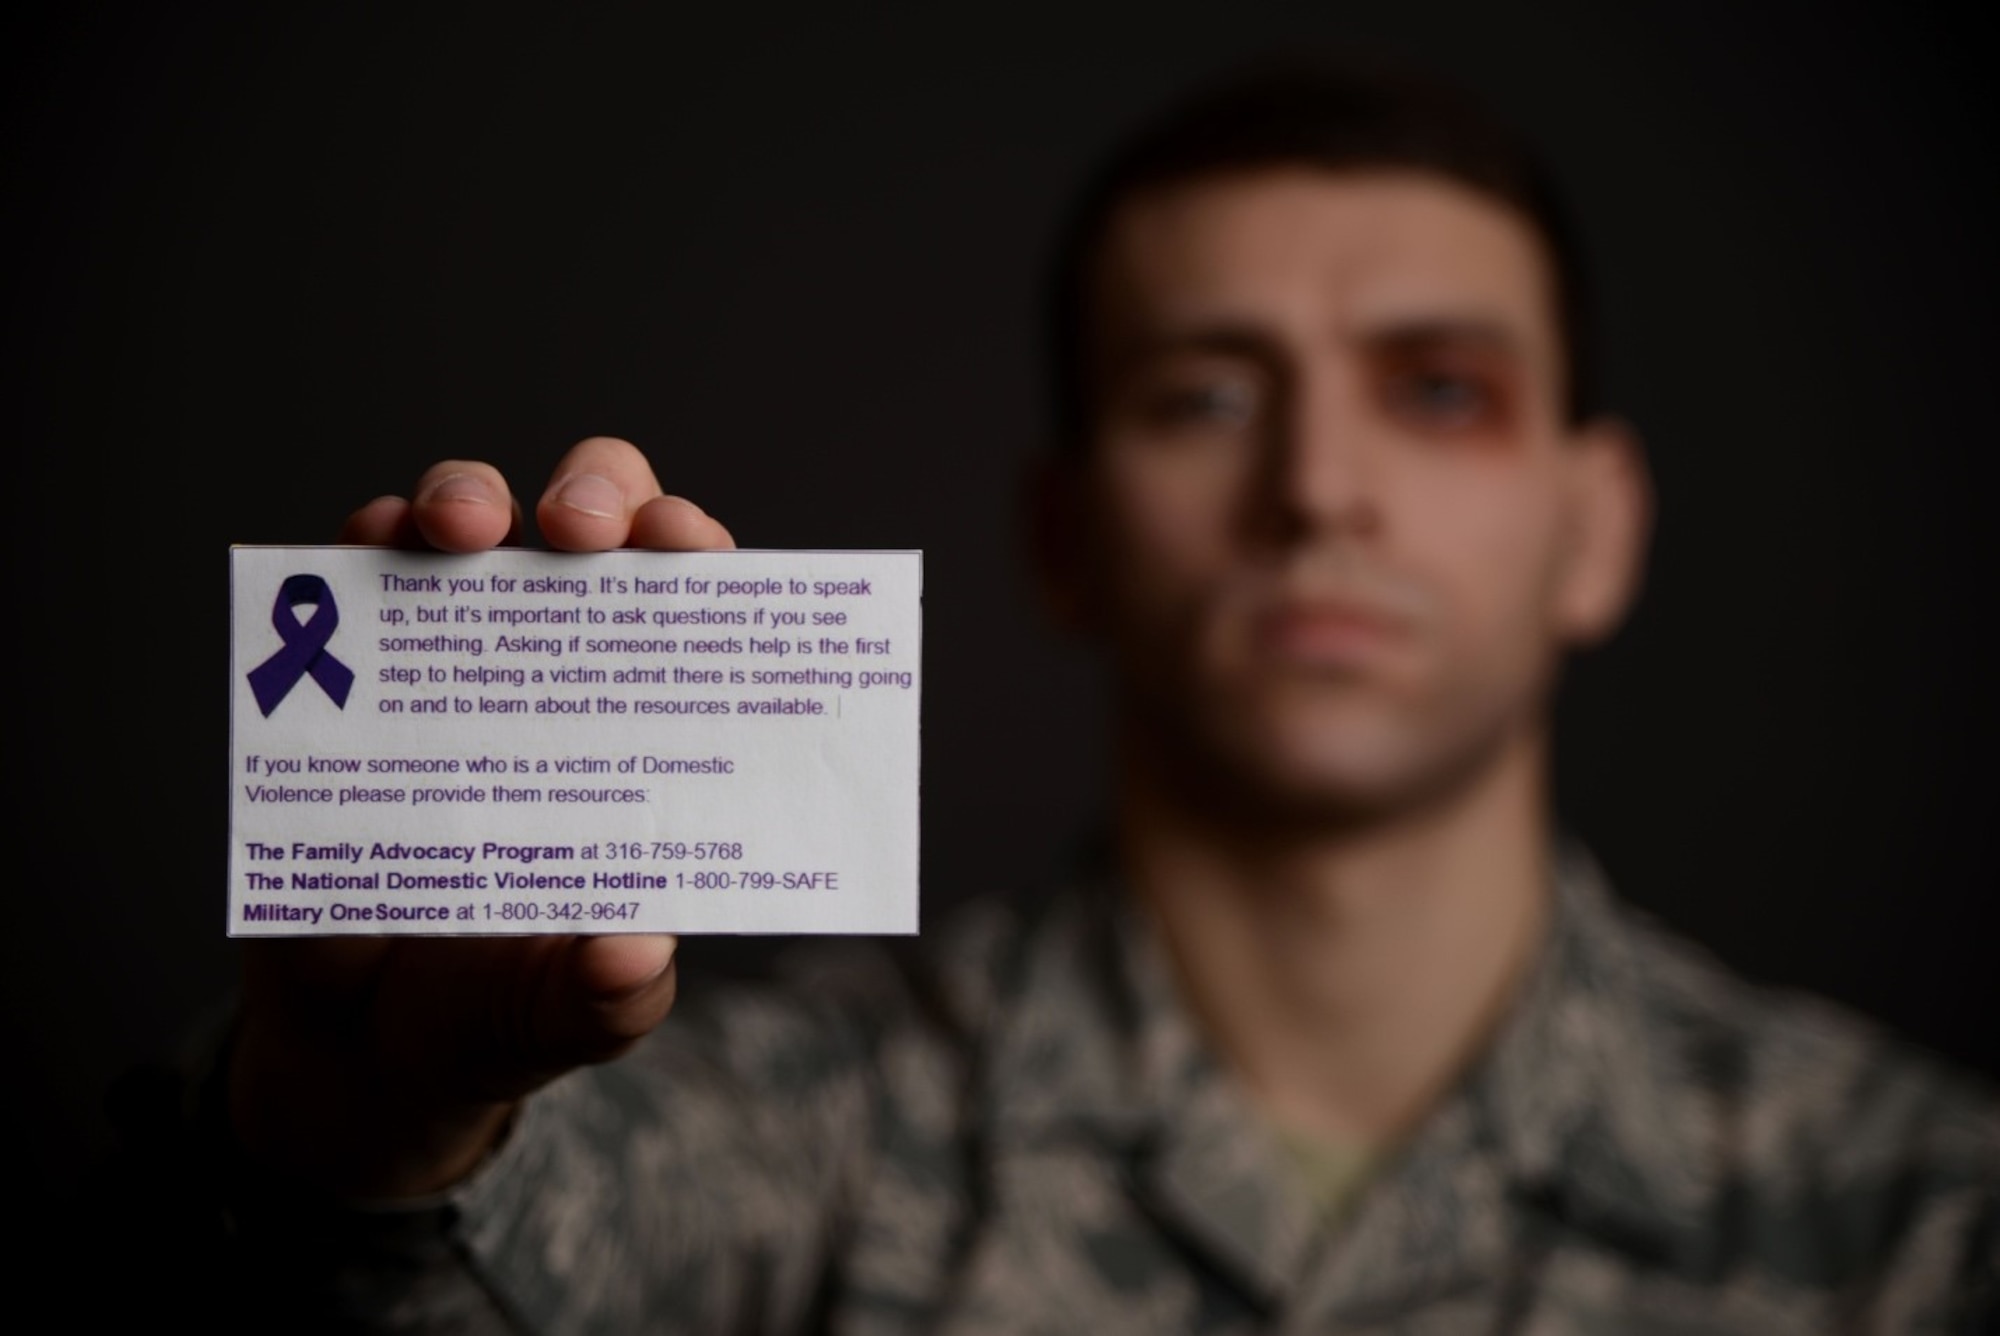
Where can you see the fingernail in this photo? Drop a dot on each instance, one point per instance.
(460, 487)
(592, 495)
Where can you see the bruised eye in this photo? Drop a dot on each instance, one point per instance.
(1440, 400)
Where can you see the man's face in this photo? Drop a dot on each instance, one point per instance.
(1335, 528)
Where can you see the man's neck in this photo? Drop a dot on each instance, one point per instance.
(1349, 975)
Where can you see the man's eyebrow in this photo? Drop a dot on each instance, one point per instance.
(1230, 338)
(1222, 338)
(1413, 334)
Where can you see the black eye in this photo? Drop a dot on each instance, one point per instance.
(1443, 397)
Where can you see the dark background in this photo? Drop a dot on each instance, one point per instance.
(263, 265)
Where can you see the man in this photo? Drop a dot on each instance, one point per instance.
(1343, 1036)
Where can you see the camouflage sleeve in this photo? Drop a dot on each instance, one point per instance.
(773, 1155)
(697, 1185)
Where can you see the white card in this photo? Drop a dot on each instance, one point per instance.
(536, 742)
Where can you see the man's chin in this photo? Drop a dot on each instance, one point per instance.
(1283, 771)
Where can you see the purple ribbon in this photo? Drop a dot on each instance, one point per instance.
(305, 646)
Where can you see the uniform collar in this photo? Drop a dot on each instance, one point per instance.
(1591, 1090)
(1099, 1051)
(1574, 1117)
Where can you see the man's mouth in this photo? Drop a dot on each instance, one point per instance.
(1327, 633)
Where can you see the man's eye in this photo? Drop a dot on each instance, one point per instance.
(1204, 405)
(1444, 399)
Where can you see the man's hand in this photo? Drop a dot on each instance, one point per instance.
(380, 1067)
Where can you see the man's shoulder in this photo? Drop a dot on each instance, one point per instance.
(1802, 1073)
(1807, 1140)
(1752, 1144)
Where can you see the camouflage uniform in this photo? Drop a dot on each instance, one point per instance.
(1021, 1131)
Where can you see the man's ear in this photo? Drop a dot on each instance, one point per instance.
(1610, 527)
(1056, 511)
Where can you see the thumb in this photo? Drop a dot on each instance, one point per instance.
(604, 996)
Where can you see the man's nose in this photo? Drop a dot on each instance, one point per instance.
(1321, 468)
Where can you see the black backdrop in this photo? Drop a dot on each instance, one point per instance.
(263, 265)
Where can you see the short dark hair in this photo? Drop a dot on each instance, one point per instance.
(1330, 116)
